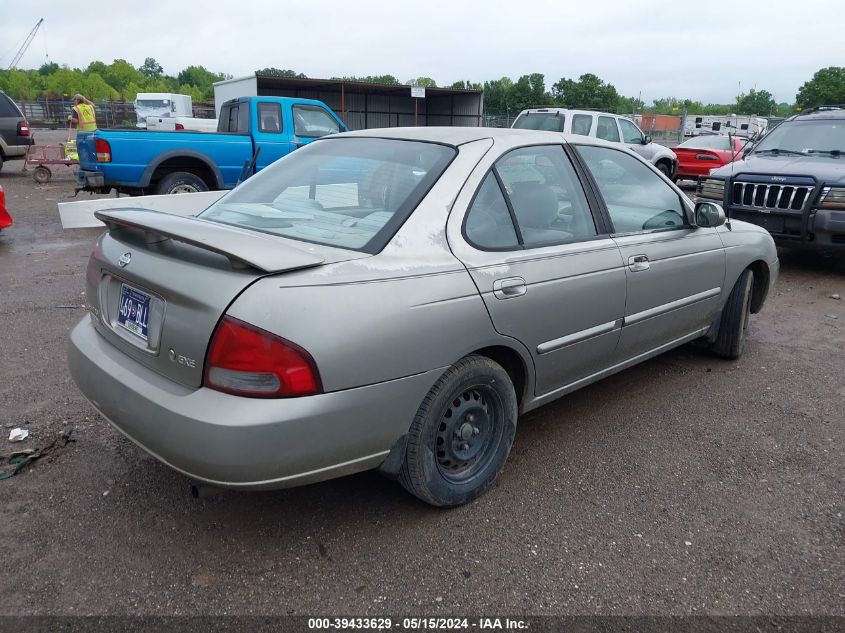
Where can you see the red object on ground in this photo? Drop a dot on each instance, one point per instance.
(697, 156)
(5, 218)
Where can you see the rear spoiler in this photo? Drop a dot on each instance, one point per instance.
(264, 252)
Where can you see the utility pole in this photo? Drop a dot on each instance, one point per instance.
(683, 125)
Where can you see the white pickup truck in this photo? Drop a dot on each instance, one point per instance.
(167, 112)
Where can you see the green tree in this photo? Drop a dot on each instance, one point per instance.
(64, 82)
(422, 82)
(498, 95)
(588, 92)
(18, 85)
(466, 85)
(151, 69)
(120, 74)
(827, 87)
(278, 72)
(528, 91)
(95, 88)
(48, 68)
(756, 102)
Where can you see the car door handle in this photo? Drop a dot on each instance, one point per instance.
(638, 262)
(509, 288)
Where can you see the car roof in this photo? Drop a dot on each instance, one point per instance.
(542, 109)
(456, 136)
(822, 112)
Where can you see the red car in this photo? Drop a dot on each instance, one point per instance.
(5, 218)
(698, 155)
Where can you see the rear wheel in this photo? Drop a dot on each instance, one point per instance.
(181, 182)
(462, 434)
(664, 168)
(733, 324)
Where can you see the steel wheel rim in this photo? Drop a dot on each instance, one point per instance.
(468, 433)
(184, 189)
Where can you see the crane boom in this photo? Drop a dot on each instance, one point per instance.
(25, 45)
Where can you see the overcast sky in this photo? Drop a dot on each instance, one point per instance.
(701, 50)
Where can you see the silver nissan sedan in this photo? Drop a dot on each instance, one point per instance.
(395, 298)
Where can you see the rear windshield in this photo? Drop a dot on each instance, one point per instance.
(707, 142)
(549, 121)
(346, 192)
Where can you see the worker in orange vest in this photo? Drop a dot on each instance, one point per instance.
(83, 116)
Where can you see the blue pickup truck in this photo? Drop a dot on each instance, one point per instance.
(259, 129)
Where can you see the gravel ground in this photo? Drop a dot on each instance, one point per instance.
(686, 485)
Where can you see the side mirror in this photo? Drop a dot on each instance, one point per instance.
(646, 139)
(709, 215)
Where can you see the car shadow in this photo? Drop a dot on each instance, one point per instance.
(807, 261)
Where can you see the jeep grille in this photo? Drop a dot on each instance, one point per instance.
(761, 196)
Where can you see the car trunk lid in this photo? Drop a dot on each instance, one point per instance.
(158, 284)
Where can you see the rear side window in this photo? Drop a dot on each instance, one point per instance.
(543, 196)
(606, 129)
(234, 118)
(8, 107)
(488, 223)
(269, 117)
(582, 124)
(313, 121)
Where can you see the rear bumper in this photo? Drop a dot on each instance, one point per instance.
(90, 179)
(822, 229)
(246, 443)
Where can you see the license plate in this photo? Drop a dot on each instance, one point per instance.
(134, 313)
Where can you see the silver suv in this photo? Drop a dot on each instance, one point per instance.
(603, 125)
(14, 131)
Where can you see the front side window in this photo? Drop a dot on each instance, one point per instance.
(547, 121)
(630, 132)
(269, 117)
(351, 193)
(313, 121)
(606, 129)
(636, 197)
(582, 124)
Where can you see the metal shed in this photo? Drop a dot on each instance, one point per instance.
(365, 105)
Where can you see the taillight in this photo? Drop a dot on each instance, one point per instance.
(23, 128)
(103, 150)
(179, 126)
(247, 361)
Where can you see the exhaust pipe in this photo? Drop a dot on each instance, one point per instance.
(201, 490)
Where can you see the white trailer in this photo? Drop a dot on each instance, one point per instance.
(738, 124)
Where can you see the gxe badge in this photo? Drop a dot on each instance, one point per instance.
(124, 260)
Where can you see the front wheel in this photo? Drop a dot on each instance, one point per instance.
(462, 434)
(664, 168)
(181, 182)
(733, 324)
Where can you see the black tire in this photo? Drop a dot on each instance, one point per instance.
(1, 162)
(664, 168)
(733, 324)
(42, 175)
(462, 434)
(181, 182)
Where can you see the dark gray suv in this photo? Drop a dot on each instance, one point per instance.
(792, 183)
(14, 131)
